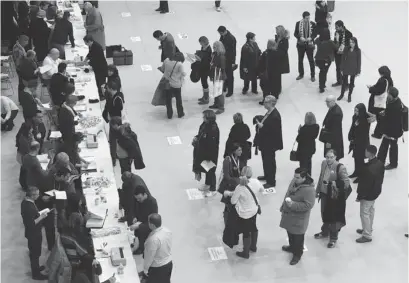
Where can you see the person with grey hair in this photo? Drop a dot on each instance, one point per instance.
(29, 70)
(94, 24)
(269, 139)
(40, 32)
(331, 132)
(239, 134)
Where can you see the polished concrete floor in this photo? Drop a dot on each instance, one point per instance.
(381, 28)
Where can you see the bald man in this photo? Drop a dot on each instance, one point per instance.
(52, 59)
(270, 139)
(331, 132)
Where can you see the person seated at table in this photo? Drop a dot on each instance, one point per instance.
(68, 119)
(58, 85)
(9, 111)
(145, 204)
(96, 59)
(52, 61)
(28, 70)
(114, 101)
(62, 31)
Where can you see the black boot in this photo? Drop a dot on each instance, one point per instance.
(342, 92)
(351, 89)
(205, 99)
(246, 249)
(253, 243)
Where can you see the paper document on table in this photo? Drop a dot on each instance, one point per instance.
(60, 194)
(44, 69)
(207, 165)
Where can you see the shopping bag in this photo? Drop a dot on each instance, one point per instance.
(159, 97)
(217, 85)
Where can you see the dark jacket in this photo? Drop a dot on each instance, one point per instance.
(29, 105)
(113, 106)
(168, 47)
(29, 213)
(283, 48)
(393, 119)
(306, 140)
(358, 137)
(269, 68)
(116, 79)
(270, 136)
(348, 36)
(229, 42)
(230, 179)
(250, 56)
(97, 59)
(144, 209)
(378, 89)
(27, 68)
(67, 124)
(321, 12)
(333, 123)
(35, 175)
(23, 143)
(371, 180)
(128, 140)
(127, 196)
(351, 62)
(206, 58)
(62, 31)
(325, 50)
(239, 133)
(207, 145)
(40, 32)
(218, 67)
(312, 35)
(58, 85)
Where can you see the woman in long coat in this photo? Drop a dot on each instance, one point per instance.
(250, 54)
(306, 137)
(206, 148)
(205, 55)
(269, 70)
(358, 137)
(333, 124)
(40, 32)
(281, 37)
(239, 134)
(350, 67)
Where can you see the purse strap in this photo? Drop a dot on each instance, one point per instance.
(252, 193)
(171, 73)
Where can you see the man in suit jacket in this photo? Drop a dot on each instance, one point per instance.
(270, 139)
(94, 24)
(229, 42)
(167, 44)
(333, 124)
(369, 189)
(58, 84)
(68, 119)
(305, 32)
(96, 59)
(342, 37)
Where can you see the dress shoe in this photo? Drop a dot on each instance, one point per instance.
(229, 94)
(261, 178)
(407, 235)
(158, 10)
(340, 97)
(287, 249)
(40, 276)
(164, 12)
(322, 90)
(299, 77)
(363, 240)
(376, 137)
(255, 92)
(390, 167)
(219, 111)
(331, 244)
(244, 92)
(336, 84)
(320, 235)
(267, 186)
(181, 115)
(360, 231)
(243, 255)
(313, 79)
(356, 181)
(294, 260)
(218, 9)
(204, 102)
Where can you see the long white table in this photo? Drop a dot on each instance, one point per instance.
(104, 165)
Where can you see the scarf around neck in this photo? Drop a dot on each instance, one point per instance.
(307, 32)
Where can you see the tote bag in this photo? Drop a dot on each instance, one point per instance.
(217, 84)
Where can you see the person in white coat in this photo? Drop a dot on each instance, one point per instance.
(9, 111)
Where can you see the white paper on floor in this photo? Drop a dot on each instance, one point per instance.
(217, 253)
(269, 191)
(135, 38)
(305, 246)
(146, 68)
(183, 35)
(174, 140)
(125, 14)
(194, 194)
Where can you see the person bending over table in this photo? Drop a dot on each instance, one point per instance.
(145, 205)
(9, 111)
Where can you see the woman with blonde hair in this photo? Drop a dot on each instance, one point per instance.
(306, 137)
(218, 75)
(270, 70)
(281, 37)
(246, 205)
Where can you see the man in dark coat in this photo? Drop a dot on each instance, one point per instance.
(250, 54)
(68, 119)
(229, 42)
(114, 103)
(392, 129)
(58, 85)
(97, 61)
(321, 13)
(62, 31)
(305, 32)
(333, 125)
(369, 189)
(269, 140)
(342, 37)
(40, 32)
(167, 44)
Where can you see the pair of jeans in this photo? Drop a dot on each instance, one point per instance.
(217, 3)
(9, 124)
(253, 85)
(160, 274)
(367, 213)
(125, 164)
(164, 6)
(392, 145)
(177, 93)
(228, 84)
(338, 60)
(269, 166)
(351, 81)
(378, 132)
(211, 179)
(324, 67)
(305, 162)
(296, 243)
(310, 55)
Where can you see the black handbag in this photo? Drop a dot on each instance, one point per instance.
(325, 136)
(293, 154)
(340, 184)
(255, 199)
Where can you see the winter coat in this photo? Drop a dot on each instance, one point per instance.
(218, 67)
(229, 42)
(333, 123)
(95, 26)
(393, 119)
(359, 137)
(230, 177)
(128, 140)
(351, 62)
(40, 32)
(296, 216)
(371, 180)
(306, 140)
(250, 54)
(113, 106)
(206, 58)
(239, 133)
(378, 89)
(270, 136)
(269, 68)
(325, 50)
(206, 146)
(283, 48)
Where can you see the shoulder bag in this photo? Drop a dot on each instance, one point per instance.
(340, 184)
(167, 82)
(294, 153)
(255, 199)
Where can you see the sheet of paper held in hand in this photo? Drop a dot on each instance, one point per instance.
(207, 165)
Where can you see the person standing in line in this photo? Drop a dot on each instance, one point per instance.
(113, 76)
(62, 31)
(68, 119)
(282, 36)
(29, 71)
(229, 43)
(157, 265)
(24, 138)
(206, 148)
(270, 70)
(378, 98)
(250, 54)
(217, 5)
(205, 55)
(326, 49)
(58, 85)
(40, 32)
(321, 14)
(218, 76)
(350, 66)
(94, 24)
(332, 128)
(19, 52)
(369, 189)
(96, 59)
(239, 134)
(393, 129)
(342, 39)
(307, 134)
(305, 31)
(163, 7)
(167, 44)
(358, 137)
(9, 111)
(32, 220)
(331, 187)
(295, 212)
(269, 140)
